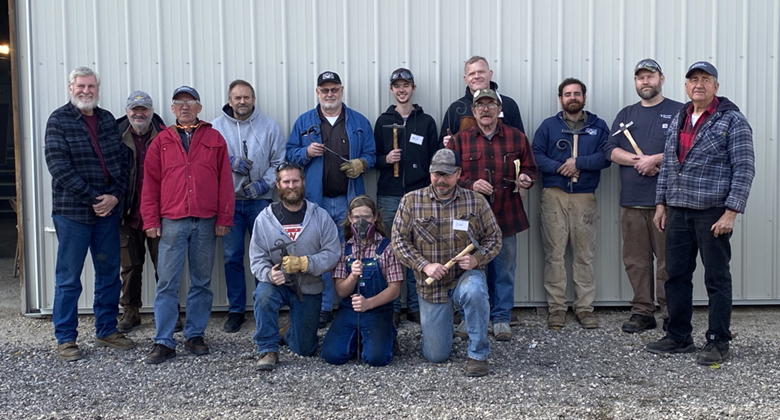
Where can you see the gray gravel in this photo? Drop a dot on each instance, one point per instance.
(575, 373)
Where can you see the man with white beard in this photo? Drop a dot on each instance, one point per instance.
(88, 166)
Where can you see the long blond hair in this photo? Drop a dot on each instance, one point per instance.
(360, 201)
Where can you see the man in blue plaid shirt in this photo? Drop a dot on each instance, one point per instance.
(706, 174)
(88, 166)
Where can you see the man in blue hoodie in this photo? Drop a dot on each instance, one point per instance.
(256, 147)
(571, 165)
(335, 145)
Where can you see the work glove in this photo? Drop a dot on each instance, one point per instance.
(354, 167)
(293, 264)
(254, 190)
(240, 165)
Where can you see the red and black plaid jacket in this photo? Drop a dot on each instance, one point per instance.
(478, 153)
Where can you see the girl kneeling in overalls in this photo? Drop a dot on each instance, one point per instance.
(367, 283)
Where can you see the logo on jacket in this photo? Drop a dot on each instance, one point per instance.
(666, 116)
(592, 131)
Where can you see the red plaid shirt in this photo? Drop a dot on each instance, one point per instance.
(392, 270)
(689, 131)
(478, 153)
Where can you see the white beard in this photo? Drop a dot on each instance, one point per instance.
(84, 105)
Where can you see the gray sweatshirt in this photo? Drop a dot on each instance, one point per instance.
(317, 240)
(265, 147)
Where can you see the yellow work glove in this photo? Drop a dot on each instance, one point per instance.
(354, 167)
(293, 264)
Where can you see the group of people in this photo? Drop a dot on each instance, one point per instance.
(447, 212)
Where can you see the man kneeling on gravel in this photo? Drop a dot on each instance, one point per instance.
(431, 227)
(293, 243)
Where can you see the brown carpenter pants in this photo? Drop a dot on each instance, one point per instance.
(641, 242)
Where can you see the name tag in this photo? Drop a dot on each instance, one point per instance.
(462, 225)
(416, 139)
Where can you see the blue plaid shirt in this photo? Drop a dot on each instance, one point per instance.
(77, 176)
(718, 170)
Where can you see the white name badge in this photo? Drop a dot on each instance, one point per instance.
(462, 225)
(416, 139)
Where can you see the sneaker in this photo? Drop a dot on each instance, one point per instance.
(588, 320)
(325, 317)
(159, 354)
(413, 317)
(461, 330)
(131, 318)
(639, 323)
(196, 346)
(476, 368)
(714, 352)
(514, 321)
(234, 321)
(179, 327)
(268, 361)
(668, 345)
(116, 340)
(69, 351)
(502, 331)
(396, 319)
(556, 319)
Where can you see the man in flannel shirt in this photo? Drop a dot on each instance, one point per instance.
(88, 166)
(708, 168)
(489, 151)
(431, 227)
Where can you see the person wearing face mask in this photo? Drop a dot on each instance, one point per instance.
(368, 278)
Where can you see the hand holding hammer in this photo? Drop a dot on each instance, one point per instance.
(466, 263)
(396, 156)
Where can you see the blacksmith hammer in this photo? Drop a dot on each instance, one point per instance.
(576, 134)
(472, 246)
(395, 127)
(624, 129)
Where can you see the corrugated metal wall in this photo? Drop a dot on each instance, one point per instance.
(280, 46)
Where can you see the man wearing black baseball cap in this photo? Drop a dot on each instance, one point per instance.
(708, 168)
(335, 145)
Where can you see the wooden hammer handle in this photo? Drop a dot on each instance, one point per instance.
(633, 143)
(395, 146)
(451, 262)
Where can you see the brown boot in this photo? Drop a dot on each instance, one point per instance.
(130, 318)
(476, 368)
(588, 320)
(69, 351)
(116, 340)
(268, 361)
(556, 319)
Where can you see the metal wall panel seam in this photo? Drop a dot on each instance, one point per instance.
(253, 45)
(499, 38)
(683, 40)
(622, 54)
(407, 35)
(285, 63)
(559, 54)
(437, 24)
(160, 81)
(714, 33)
(775, 129)
(33, 269)
(64, 39)
(222, 48)
(744, 107)
(653, 29)
(315, 31)
(377, 77)
(190, 43)
(592, 41)
(96, 37)
(529, 68)
(469, 28)
(128, 66)
(347, 23)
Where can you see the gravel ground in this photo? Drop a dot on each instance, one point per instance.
(541, 373)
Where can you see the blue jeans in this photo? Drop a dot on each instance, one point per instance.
(688, 233)
(471, 294)
(233, 246)
(388, 206)
(337, 209)
(302, 335)
(376, 330)
(102, 240)
(194, 238)
(501, 281)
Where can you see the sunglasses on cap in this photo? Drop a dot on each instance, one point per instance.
(285, 165)
(403, 74)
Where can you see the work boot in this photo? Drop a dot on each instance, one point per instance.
(116, 340)
(196, 346)
(130, 318)
(502, 331)
(461, 331)
(159, 354)
(325, 317)
(179, 327)
(514, 321)
(639, 323)
(668, 345)
(588, 320)
(476, 368)
(714, 352)
(413, 317)
(234, 321)
(268, 361)
(69, 351)
(556, 319)
(396, 319)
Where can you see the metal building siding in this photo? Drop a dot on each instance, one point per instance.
(280, 46)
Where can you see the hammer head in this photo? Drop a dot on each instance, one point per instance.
(395, 126)
(575, 132)
(623, 127)
(475, 243)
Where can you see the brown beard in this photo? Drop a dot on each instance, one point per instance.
(574, 107)
(292, 196)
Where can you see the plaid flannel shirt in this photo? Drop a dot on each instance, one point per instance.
(718, 170)
(392, 270)
(423, 233)
(76, 173)
(480, 154)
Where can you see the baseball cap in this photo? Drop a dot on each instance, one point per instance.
(402, 74)
(328, 76)
(139, 98)
(648, 64)
(445, 160)
(187, 89)
(703, 66)
(485, 93)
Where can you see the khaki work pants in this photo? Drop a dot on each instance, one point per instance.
(642, 241)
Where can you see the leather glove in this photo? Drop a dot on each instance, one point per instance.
(354, 167)
(293, 264)
(254, 190)
(240, 165)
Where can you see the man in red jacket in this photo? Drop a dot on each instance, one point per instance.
(187, 202)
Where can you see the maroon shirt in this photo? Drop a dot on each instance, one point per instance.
(92, 128)
(689, 131)
(134, 218)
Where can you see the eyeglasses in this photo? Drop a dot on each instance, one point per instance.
(178, 103)
(285, 165)
(647, 64)
(403, 74)
(490, 106)
(325, 91)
